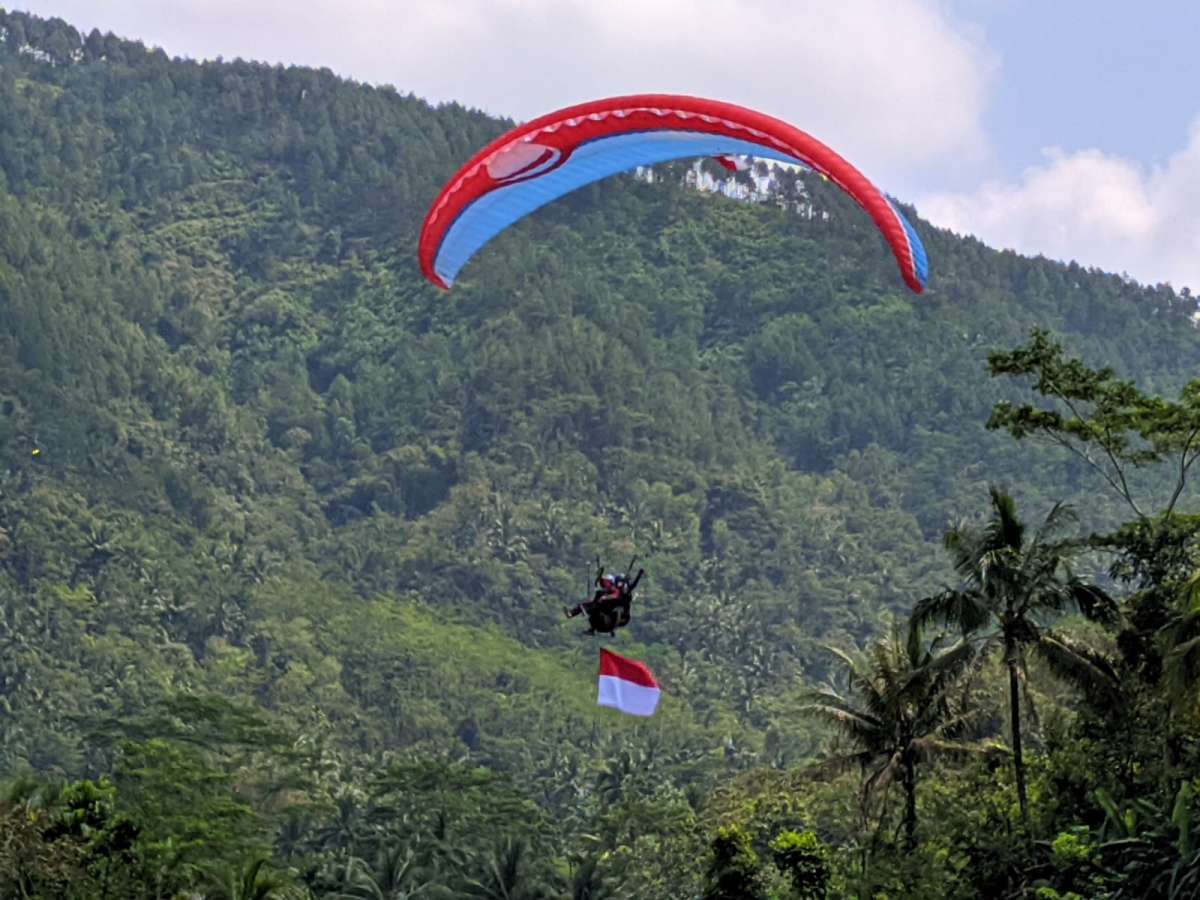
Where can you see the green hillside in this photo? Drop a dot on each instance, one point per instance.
(285, 532)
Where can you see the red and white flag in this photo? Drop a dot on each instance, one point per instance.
(733, 163)
(627, 685)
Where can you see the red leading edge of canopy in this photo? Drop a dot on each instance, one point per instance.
(569, 128)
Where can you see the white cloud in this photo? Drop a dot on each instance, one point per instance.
(895, 85)
(1096, 209)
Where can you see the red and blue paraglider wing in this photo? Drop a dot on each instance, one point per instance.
(551, 156)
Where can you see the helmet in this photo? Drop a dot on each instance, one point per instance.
(607, 580)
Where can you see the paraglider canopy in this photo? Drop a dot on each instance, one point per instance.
(540, 161)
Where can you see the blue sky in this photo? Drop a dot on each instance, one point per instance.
(1090, 73)
(1093, 117)
(1060, 127)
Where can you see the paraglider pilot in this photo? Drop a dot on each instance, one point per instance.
(608, 608)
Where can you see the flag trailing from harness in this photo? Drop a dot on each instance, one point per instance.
(627, 685)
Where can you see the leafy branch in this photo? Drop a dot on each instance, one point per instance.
(1106, 422)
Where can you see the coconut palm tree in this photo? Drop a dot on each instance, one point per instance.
(1011, 582)
(506, 875)
(253, 882)
(393, 877)
(901, 708)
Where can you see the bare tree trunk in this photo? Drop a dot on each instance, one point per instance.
(910, 803)
(1014, 706)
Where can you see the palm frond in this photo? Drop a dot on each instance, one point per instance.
(862, 681)
(1060, 516)
(860, 727)
(965, 546)
(967, 611)
(930, 747)
(1093, 602)
(1079, 665)
(880, 780)
(949, 662)
(839, 763)
(1006, 529)
(940, 711)
(951, 721)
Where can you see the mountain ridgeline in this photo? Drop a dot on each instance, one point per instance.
(287, 532)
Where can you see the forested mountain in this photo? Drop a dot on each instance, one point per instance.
(286, 533)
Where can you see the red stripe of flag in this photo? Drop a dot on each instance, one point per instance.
(626, 669)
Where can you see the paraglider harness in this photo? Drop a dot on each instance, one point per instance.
(608, 609)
